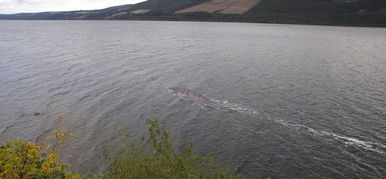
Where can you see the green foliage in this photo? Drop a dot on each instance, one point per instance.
(318, 6)
(162, 160)
(20, 159)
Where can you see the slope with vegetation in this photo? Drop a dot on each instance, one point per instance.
(326, 12)
(222, 6)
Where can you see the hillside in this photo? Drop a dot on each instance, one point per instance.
(327, 12)
(222, 6)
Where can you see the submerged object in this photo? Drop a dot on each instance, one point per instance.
(186, 93)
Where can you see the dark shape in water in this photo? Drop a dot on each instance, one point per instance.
(188, 94)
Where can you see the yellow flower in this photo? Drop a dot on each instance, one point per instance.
(35, 148)
(48, 146)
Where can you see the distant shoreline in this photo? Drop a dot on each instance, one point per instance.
(200, 19)
(358, 13)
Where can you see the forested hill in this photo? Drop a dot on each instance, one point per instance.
(327, 12)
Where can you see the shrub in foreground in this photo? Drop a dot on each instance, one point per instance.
(162, 161)
(156, 159)
(20, 159)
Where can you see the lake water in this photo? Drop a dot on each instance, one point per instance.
(286, 101)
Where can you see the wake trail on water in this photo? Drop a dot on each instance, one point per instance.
(225, 105)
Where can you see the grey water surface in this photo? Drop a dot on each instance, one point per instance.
(286, 101)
